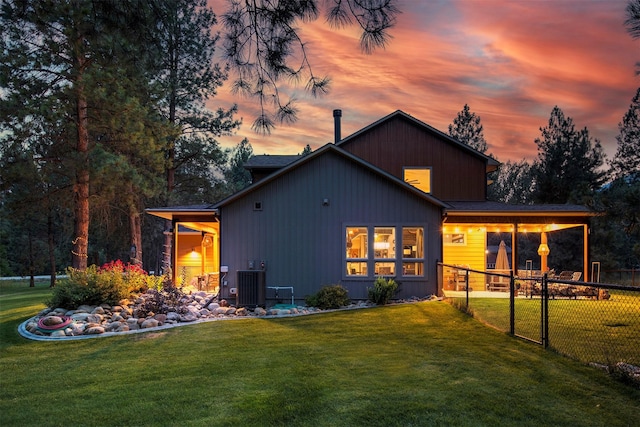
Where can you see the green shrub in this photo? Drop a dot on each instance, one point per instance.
(328, 297)
(94, 286)
(382, 291)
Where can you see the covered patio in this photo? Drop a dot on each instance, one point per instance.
(195, 243)
(467, 225)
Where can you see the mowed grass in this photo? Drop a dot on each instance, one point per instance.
(601, 331)
(423, 364)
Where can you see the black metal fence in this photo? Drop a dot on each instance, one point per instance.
(597, 323)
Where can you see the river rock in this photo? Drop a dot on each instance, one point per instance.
(149, 323)
(98, 310)
(188, 318)
(172, 315)
(52, 321)
(32, 326)
(160, 317)
(94, 330)
(80, 317)
(95, 318)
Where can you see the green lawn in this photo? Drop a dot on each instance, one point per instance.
(422, 364)
(601, 331)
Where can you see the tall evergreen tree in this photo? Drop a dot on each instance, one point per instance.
(620, 199)
(189, 77)
(512, 184)
(237, 176)
(626, 162)
(467, 129)
(567, 169)
(633, 22)
(60, 61)
(264, 46)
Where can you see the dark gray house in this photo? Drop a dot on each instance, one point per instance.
(331, 218)
(391, 200)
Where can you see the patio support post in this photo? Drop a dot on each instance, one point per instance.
(585, 256)
(544, 325)
(512, 304)
(514, 250)
(466, 285)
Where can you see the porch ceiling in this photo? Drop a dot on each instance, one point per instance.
(207, 227)
(505, 227)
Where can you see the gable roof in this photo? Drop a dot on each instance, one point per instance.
(492, 163)
(330, 148)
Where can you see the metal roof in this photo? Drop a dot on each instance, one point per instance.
(268, 161)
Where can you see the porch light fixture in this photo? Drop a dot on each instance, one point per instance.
(543, 249)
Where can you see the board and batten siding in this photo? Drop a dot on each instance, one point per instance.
(398, 142)
(471, 255)
(301, 239)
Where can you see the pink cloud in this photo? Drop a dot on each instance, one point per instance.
(512, 62)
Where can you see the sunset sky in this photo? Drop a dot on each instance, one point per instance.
(510, 61)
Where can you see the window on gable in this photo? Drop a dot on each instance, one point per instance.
(418, 177)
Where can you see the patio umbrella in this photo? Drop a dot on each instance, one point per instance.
(502, 261)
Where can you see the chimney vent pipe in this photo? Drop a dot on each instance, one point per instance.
(337, 114)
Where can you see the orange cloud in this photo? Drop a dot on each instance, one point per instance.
(512, 62)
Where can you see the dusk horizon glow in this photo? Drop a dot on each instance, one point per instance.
(511, 62)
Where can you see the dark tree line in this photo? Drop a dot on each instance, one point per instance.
(571, 168)
(102, 114)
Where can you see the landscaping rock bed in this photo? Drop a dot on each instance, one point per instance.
(131, 316)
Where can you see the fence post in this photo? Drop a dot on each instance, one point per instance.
(466, 285)
(545, 311)
(512, 304)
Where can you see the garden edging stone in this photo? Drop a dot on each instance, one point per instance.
(105, 321)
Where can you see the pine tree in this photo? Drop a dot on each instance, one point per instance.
(467, 129)
(633, 22)
(567, 167)
(263, 46)
(237, 176)
(512, 184)
(626, 162)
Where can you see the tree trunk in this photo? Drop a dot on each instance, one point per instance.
(51, 244)
(32, 281)
(136, 236)
(81, 187)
